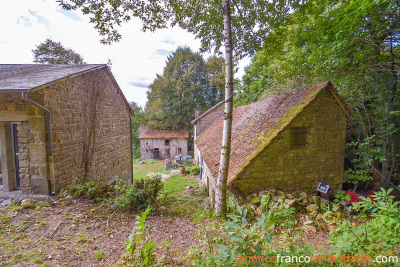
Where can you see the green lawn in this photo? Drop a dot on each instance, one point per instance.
(141, 170)
(177, 200)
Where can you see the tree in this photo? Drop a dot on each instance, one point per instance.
(51, 52)
(136, 123)
(208, 20)
(215, 68)
(174, 96)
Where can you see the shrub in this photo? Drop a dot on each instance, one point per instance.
(141, 250)
(91, 190)
(379, 235)
(229, 243)
(139, 196)
(192, 170)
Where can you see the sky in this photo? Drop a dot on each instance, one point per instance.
(136, 59)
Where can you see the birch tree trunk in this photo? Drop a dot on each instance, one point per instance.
(220, 193)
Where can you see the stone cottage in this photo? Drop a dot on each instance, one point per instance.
(291, 142)
(60, 123)
(163, 144)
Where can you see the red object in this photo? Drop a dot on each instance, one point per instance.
(355, 197)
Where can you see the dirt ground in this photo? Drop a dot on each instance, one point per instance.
(76, 234)
(60, 235)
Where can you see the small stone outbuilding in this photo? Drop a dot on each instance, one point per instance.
(291, 142)
(60, 123)
(163, 144)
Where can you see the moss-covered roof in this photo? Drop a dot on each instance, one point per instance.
(254, 127)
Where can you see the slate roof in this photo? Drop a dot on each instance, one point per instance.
(254, 127)
(17, 77)
(163, 134)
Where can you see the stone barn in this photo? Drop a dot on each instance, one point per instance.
(60, 123)
(291, 142)
(163, 144)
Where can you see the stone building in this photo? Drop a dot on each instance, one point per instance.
(291, 142)
(163, 144)
(60, 123)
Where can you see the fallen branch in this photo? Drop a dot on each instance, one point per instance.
(56, 229)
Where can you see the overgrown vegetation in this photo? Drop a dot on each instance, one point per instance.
(139, 196)
(244, 240)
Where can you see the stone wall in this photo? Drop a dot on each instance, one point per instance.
(301, 169)
(31, 140)
(209, 181)
(90, 129)
(147, 148)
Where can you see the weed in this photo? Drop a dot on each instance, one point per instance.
(98, 255)
(81, 239)
(41, 224)
(139, 196)
(15, 207)
(15, 237)
(37, 260)
(91, 190)
(5, 219)
(20, 227)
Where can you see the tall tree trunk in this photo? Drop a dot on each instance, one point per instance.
(220, 193)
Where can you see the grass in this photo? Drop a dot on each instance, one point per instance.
(175, 199)
(177, 183)
(181, 202)
(154, 166)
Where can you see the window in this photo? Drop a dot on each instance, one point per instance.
(298, 137)
(167, 142)
(179, 151)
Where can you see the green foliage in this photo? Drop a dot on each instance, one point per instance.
(5, 219)
(365, 153)
(379, 235)
(341, 196)
(137, 121)
(139, 196)
(192, 170)
(183, 87)
(91, 190)
(250, 20)
(81, 239)
(51, 52)
(140, 249)
(98, 255)
(229, 243)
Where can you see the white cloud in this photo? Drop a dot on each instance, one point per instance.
(136, 59)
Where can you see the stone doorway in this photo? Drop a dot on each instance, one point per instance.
(10, 178)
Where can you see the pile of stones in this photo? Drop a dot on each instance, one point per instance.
(302, 202)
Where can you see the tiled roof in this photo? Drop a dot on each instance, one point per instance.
(163, 134)
(27, 76)
(254, 126)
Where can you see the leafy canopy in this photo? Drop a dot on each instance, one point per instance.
(185, 85)
(51, 52)
(252, 20)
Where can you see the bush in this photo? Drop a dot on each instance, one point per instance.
(379, 235)
(139, 196)
(192, 170)
(91, 190)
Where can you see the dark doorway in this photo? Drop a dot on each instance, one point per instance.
(15, 154)
(156, 153)
(167, 153)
